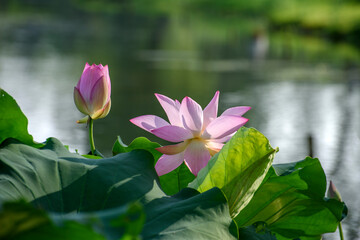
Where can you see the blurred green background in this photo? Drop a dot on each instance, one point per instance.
(295, 62)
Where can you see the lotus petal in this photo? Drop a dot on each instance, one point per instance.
(223, 139)
(99, 96)
(196, 156)
(167, 163)
(80, 102)
(236, 111)
(214, 147)
(173, 149)
(88, 79)
(223, 126)
(149, 122)
(192, 115)
(211, 110)
(171, 109)
(172, 133)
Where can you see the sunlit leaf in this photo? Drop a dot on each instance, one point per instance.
(13, 123)
(137, 143)
(238, 169)
(291, 202)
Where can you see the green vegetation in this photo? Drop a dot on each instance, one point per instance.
(47, 192)
(324, 30)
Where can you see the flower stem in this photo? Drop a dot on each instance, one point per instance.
(341, 231)
(91, 135)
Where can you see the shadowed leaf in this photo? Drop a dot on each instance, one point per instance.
(94, 198)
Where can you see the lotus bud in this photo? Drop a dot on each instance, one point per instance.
(333, 192)
(92, 92)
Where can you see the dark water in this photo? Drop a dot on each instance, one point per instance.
(293, 100)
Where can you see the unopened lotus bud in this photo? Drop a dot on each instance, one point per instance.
(333, 192)
(92, 92)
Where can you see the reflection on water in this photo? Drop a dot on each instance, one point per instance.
(290, 100)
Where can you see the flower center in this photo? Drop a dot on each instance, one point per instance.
(204, 142)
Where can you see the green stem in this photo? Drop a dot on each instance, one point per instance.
(91, 135)
(341, 231)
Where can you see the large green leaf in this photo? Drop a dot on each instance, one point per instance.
(190, 215)
(60, 181)
(13, 123)
(291, 202)
(238, 169)
(172, 182)
(20, 221)
(91, 196)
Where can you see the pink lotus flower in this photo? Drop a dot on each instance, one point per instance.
(200, 132)
(92, 92)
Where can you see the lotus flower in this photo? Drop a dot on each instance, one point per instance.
(199, 134)
(92, 92)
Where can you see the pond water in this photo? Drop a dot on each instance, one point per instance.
(293, 101)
